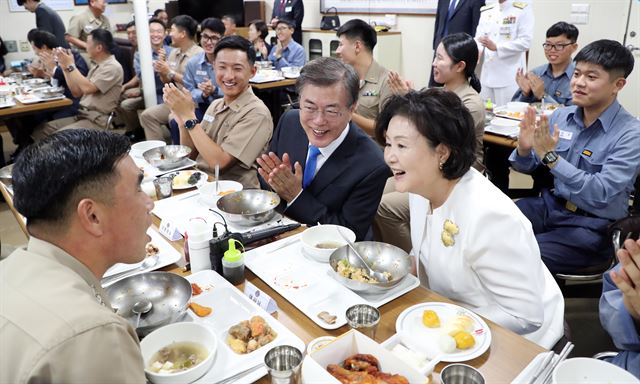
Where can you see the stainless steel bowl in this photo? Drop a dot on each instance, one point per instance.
(169, 293)
(381, 257)
(5, 175)
(249, 207)
(167, 157)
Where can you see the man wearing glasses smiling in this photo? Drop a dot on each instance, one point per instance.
(199, 75)
(323, 166)
(551, 82)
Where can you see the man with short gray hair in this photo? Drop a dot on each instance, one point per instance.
(323, 167)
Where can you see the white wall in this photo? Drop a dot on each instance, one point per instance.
(606, 20)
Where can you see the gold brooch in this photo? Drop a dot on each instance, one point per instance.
(449, 230)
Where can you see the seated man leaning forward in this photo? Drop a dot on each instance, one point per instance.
(85, 212)
(344, 171)
(235, 129)
(593, 152)
(470, 241)
(99, 91)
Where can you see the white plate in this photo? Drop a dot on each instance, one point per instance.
(410, 321)
(167, 255)
(151, 172)
(184, 175)
(502, 122)
(8, 103)
(265, 79)
(230, 307)
(307, 284)
(291, 75)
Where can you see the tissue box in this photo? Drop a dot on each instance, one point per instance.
(354, 342)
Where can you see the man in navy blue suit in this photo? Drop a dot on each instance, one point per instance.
(455, 16)
(325, 168)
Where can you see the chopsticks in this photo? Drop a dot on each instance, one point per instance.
(543, 365)
(561, 357)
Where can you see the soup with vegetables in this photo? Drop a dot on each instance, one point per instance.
(177, 357)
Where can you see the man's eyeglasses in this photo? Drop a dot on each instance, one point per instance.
(329, 113)
(280, 29)
(211, 38)
(556, 47)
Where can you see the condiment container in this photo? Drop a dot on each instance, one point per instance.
(233, 263)
(199, 233)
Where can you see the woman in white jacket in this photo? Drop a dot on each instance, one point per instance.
(471, 242)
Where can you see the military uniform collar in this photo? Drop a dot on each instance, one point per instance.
(240, 102)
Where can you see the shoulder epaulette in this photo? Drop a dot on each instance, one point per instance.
(520, 5)
(487, 7)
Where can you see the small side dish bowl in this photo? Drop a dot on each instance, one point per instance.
(587, 370)
(320, 241)
(208, 194)
(141, 147)
(184, 332)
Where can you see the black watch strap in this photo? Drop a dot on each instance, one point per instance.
(550, 158)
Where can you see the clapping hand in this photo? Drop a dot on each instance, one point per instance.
(627, 279)
(207, 88)
(523, 82)
(179, 102)
(161, 66)
(536, 84)
(64, 57)
(535, 134)
(285, 180)
(397, 84)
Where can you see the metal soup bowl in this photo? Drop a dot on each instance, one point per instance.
(169, 293)
(166, 157)
(5, 175)
(381, 257)
(249, 207)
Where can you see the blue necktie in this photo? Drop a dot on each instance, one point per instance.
(310, 166)
(452, 7)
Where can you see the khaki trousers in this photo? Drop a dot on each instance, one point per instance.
(155, 121)
(128, 111)
(391, 223)
(84, 119)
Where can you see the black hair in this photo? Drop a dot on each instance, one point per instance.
(43, 38)
(30, 34)
(327, 71)
(261, 27)
(157, 21)
(229, 17)
(21, 2)
(563, 28)
(104, 38)
(238, 43)
(159, 11)
(290, 23)
(441, 117)
(54, 174)
(614, 57)
(462, 47)
(187, 24)
(130, 24)
(214, 24)
(357, 29)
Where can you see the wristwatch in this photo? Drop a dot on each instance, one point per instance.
(71, 68)
(190, 124)
(550, 158)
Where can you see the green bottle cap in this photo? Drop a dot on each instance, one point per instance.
(489, 104)
(233, 254)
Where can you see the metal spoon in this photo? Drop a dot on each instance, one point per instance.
(378, 276)
(140, 307)
(146, 264)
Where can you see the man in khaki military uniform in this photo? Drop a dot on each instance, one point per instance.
(85, 212)
(357, 40)
(236, 129)
(183, 31)
(82, 24)
(100, 90)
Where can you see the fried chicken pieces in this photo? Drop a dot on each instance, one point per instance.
(363, 369)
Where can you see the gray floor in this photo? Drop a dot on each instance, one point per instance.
(581, 314)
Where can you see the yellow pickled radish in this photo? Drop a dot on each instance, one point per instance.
(430, 319)
(464, 340)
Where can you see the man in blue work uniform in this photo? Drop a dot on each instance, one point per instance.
(592, 150)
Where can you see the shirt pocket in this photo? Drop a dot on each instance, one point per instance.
(368, 104)
(563, 147)
(593, 162)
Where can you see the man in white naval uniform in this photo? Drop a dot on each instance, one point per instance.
(504, 35)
